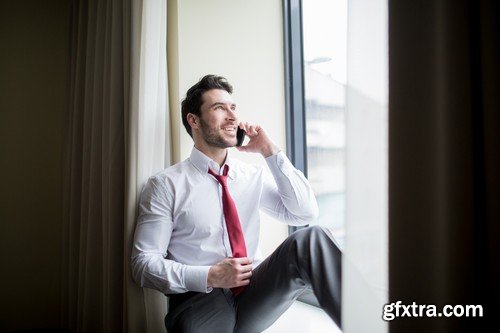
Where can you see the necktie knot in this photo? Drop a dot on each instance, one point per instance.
(221, 178)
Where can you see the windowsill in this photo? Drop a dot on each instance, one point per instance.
(303, 318)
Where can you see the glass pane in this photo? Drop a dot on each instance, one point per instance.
(325, 44)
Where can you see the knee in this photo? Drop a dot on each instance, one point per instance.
(316, 229)
(311, 233)
(313, 238)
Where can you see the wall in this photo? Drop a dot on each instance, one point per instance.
(33, 66)
(243, 41)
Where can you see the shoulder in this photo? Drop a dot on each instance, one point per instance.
(172, 171)
(167, 178)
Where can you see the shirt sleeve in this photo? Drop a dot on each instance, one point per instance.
(150, 268)
(286, 193)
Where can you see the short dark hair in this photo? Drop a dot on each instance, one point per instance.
(193, 101)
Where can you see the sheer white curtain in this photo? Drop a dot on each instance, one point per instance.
(365, 271)
(147, 145)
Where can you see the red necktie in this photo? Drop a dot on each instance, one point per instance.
(233, 225)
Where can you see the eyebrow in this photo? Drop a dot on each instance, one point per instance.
(220, 103)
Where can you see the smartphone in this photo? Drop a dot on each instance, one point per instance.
(240, 136)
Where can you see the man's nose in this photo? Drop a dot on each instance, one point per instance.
(231, 114)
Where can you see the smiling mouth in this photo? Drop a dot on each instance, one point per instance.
(230, 129)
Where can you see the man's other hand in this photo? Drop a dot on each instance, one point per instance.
(259, 141)
(230, 273)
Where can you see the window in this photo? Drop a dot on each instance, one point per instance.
(317, 41)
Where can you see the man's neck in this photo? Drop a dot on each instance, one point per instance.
(217, 154)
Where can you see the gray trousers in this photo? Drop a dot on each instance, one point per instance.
(308, 258)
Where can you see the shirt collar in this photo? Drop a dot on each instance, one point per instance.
(202, 162)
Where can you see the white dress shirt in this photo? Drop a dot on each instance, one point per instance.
(181, 231)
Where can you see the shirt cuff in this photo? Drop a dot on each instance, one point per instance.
(279, 164)
(195, 278)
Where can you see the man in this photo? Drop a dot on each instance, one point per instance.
(198, 228)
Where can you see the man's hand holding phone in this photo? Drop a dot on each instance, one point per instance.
(259, 141)
(240, 136)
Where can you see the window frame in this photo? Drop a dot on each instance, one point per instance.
(295, 115)
(294, 84)
(294, 87)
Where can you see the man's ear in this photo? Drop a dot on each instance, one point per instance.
(193, 120)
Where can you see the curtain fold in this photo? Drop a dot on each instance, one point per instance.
(444, 188)
(116, 136)
(94, 169)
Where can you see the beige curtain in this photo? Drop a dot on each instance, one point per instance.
(444, 166)
(116, 137)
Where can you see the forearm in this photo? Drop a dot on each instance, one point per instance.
(288, 195)
(269, 150)
(295, 194)
(167, 276)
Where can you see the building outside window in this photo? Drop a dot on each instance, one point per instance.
(324, 27)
